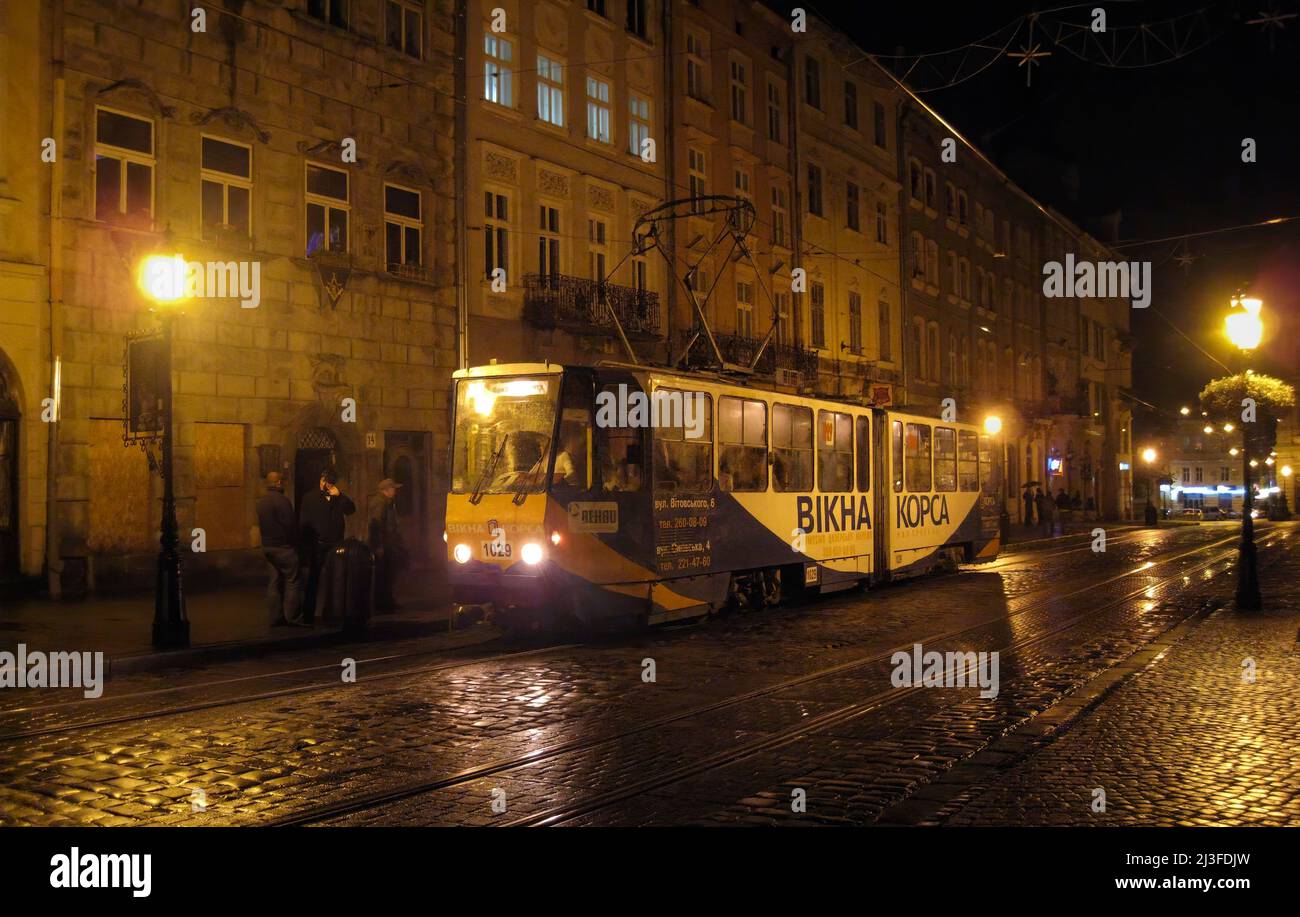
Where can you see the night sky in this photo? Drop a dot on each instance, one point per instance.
(1158, 147)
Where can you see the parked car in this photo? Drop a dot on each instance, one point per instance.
(1213, 514)
(1190, 513)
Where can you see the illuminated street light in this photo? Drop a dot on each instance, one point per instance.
(1184, 411)
(161, 279)
(1243, 325)
(1234, 451)
(1286, 471)
(1151, 517)
(1208, 429)
(1245, 328)
(993, 426)
(1228, 428)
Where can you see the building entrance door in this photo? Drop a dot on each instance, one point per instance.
(316, 454)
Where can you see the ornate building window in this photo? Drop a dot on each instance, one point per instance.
(124, 167)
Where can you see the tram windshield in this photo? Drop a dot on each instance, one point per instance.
(502, 441)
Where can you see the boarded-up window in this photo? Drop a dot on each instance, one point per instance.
(123, 515)
(220, 496)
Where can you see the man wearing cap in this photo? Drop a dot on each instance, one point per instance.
(279, 545)
(321, 515)
(385, 542)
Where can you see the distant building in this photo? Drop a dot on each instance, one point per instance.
(979, 329)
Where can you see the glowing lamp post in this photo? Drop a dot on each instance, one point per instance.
(993, 427)
(1245, 329)
(162, 280)
(1151, 517)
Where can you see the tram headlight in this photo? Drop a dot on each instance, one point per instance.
(555, 539)
(461, 552)
(532, 553)
(444, 537)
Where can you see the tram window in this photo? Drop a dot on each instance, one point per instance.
(864, 453)
(742, 444)
(834, 451)
(967, 461)
(573, 462)
(683, 450)
(916, 457)
(620, 451)
(792, 444)
(896, 454)
(986, 462)
(945, 459)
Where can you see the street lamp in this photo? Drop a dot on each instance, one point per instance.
(993, 427)
(1152, 519)
(1245, 329)
(162, 280)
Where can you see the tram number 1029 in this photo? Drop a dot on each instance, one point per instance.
(496, 549)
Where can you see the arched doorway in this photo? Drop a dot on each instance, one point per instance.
(317, 452)
(10, 420)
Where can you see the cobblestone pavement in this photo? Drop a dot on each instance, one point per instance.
(1206, 735)
(596, 727)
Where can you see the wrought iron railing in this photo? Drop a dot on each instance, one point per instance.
(740, 348)
(558, 300)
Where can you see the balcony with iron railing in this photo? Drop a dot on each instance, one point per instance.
(582, 304)
(740, 349)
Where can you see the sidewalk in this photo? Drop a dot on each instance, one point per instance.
(223, 623)
(1021, 536)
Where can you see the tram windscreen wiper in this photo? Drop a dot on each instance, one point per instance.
(477, 495)
(520, 485)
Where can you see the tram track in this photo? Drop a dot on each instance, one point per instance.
(262, 695)
(844, 714)
(296, 690)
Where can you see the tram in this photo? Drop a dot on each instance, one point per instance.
(616, 492)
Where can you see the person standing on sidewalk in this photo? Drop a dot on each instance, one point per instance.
(1046, 513)
(322, 515)
(279, 530)
(1029, 507)
(385, 542)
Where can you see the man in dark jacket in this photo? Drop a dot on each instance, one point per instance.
(385, 542)
(279, 540)
(321, 516)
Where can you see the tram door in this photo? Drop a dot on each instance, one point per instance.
(882, 483)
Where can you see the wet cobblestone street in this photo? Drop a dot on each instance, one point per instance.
(783, 717)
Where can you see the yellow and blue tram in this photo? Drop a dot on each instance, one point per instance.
(633, 492)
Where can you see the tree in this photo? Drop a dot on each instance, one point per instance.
(1223, 398)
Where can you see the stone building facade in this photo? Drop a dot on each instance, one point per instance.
(312, 144)
(980, 329)
(559, 99)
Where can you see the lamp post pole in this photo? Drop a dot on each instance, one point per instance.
(1245, 329)
(1248, 597)
(171, 627)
